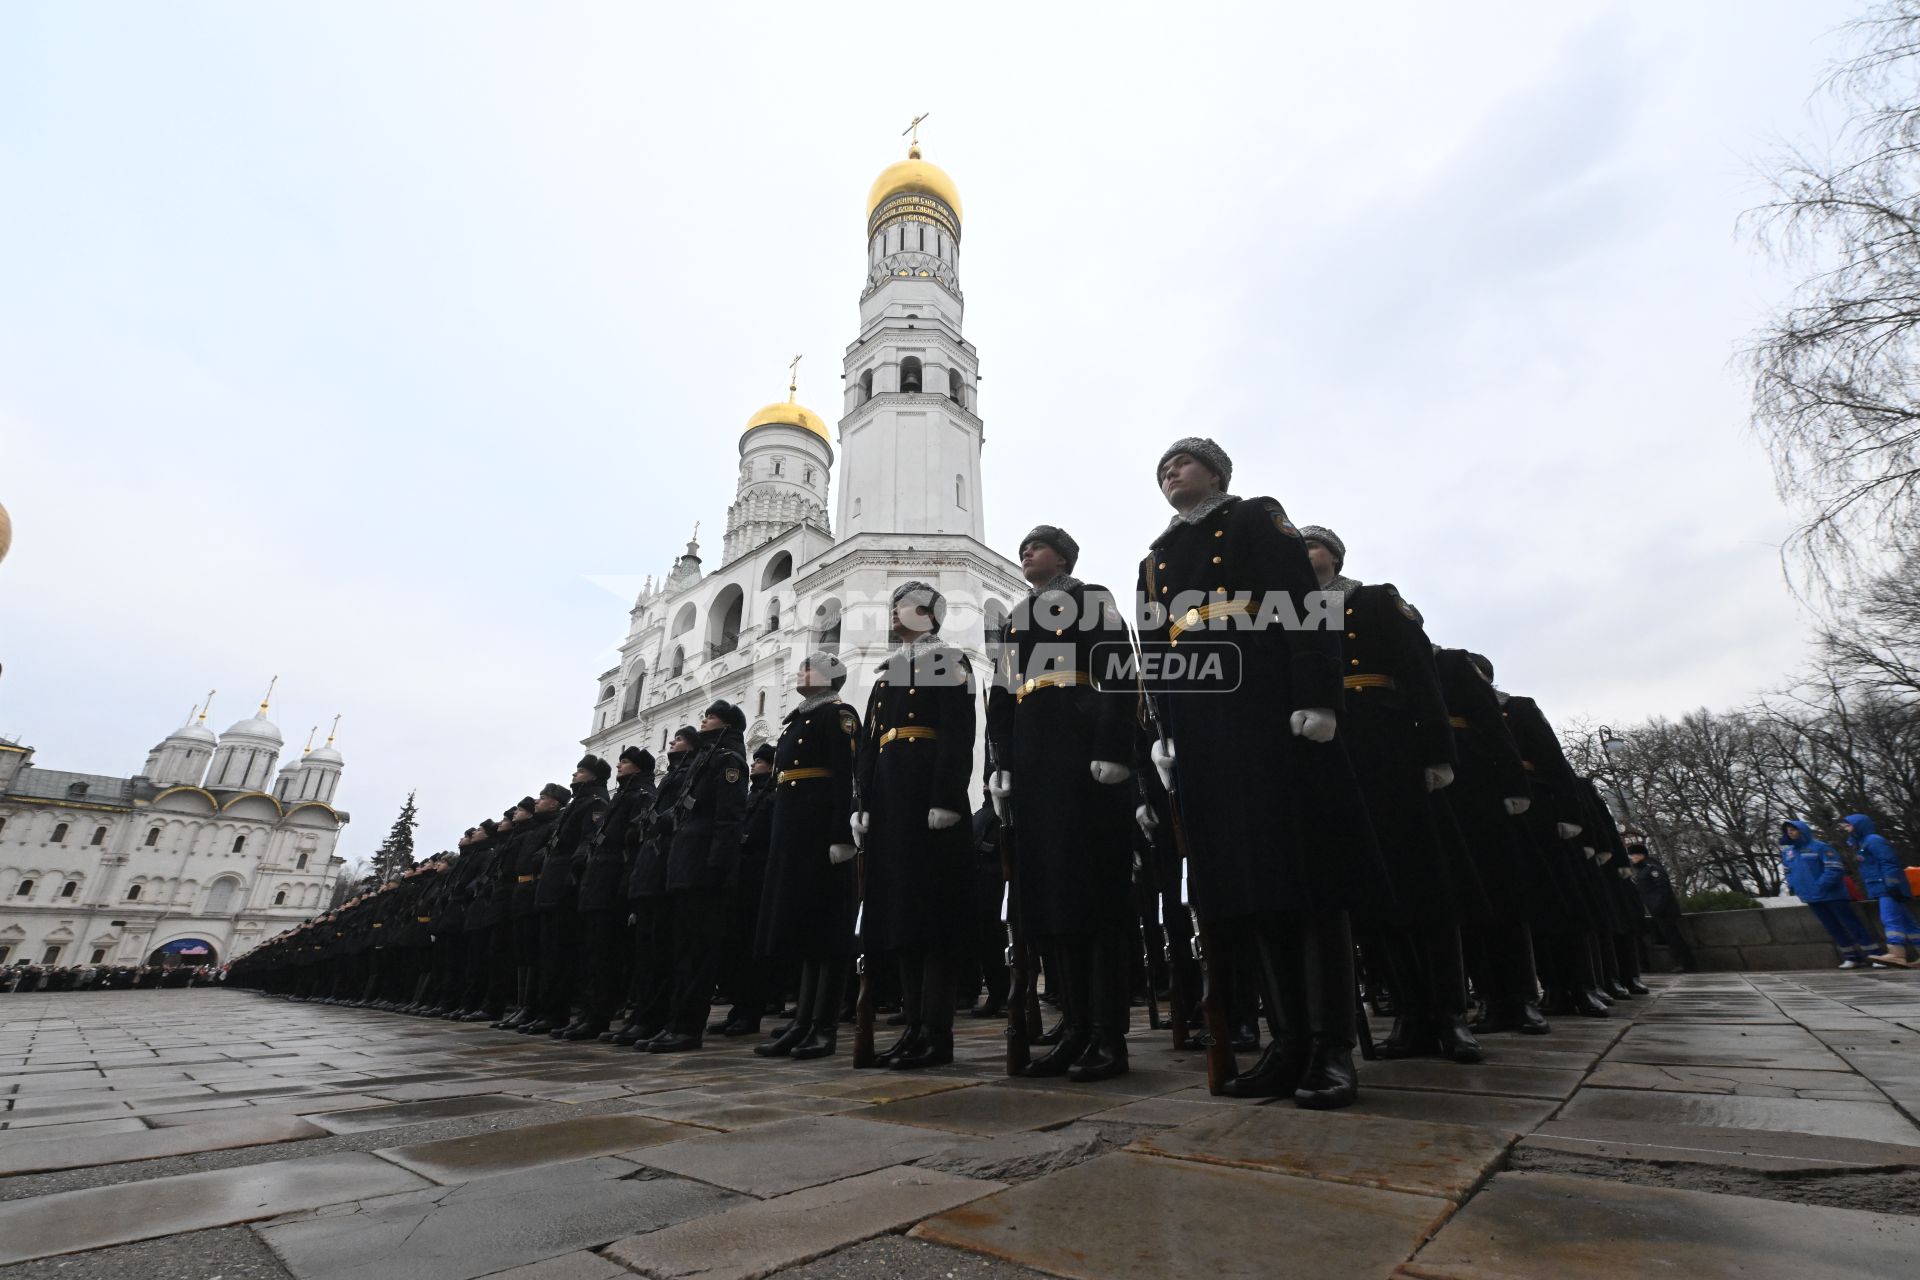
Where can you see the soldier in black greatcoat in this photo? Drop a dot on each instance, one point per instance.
(649, 903)
(1488, 795)
(1401, 744)
(915, 769)
(1554, 823)
(477, 924)
(1062, 730)
(606, 943)
(1655, 886)
(527, 851)
(700, 862)
(810, 892)
(1277, 835)
(556, 895)
(743, 975)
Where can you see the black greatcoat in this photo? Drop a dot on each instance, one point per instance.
(807, 903)
(648, 879)
(1050, 714)
(1395, 726)
(610, 854)
(918, 881)
(1273, 822)
(1487, 774)
(1556, 799)
(559, 883)
(706, 834)
(529, 853)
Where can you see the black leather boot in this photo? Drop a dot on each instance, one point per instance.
(786, 1038)
(824, 1037)
(1329, 1080)
(585, 1029)
(1106, 1053)
(908, 1042)
(820, 1042)
(1446, 975)
(1277, 1072)
(1068, 960)
(933, 1049)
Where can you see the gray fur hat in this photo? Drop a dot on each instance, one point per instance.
(1327, 538)
(1211, 455)
(1057, 538)
(922, 593)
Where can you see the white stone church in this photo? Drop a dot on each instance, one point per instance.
(203, 854)
(909, 506)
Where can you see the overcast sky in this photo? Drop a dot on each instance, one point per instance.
(385, 346)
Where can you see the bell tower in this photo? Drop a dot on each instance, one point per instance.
(910, 432)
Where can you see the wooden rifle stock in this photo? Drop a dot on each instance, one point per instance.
(1020, 1031)
(863, 1003)
(1221, 1066)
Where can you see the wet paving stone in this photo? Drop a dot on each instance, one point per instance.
(774, 1159)
(485, 1155)
(216, 1133)
(366, 1119)
(1128, 1216)
(1528, 1225)
(1873, 1121)
(990, 1110)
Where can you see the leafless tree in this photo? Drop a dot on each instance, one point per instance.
(1836, 396)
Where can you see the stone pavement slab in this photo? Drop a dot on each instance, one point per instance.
(1396, 1155)
(249, 1129)
(365, 1119)
(1486, 1077)
(1531, 1225)
(1757, 1082)
(487, 1226)
(774, 1159)
(1789, 1048)
(759, 1238)
(1128, 1215)
(989, 1110)
(1482, 1110)
(1654, 1109)
(582, 1264)
(1759, 1149)
(73, 1129)
(70, 1221)
(485, 1155)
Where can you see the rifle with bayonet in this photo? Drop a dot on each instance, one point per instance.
(863, 1003)
(1020, 1031)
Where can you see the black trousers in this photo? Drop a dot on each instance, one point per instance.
(606, 950)
(699, 942)
(746, 980)
(650, 975)
(559, 948)
(926, 986)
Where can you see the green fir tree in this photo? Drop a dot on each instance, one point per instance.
(395, 858)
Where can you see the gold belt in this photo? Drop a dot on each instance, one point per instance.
(1459, 722)
(423, 919)
(523, 879)
(1049, 680)
(1369, 682)
(909, 732)
(376, 924)
(800, 775)
(1206, 613)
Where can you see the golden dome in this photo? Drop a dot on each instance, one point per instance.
(785, 413)
(914, 174)
(6, 532)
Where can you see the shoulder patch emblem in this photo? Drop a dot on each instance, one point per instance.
(733, 774)
(1406, 608)
(849, 722)
(1280, 521)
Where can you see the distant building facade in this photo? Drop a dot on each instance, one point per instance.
(203, 854)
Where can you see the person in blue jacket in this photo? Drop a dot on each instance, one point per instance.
(1817, 877)
(1884, 878)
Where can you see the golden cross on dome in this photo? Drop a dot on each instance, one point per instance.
(913, 127)
(793, 378)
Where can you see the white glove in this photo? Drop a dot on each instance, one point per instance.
(1315, 724)
(1144, 816)
(1163, 761)
(1000, 786)
(839, 853)
(1625, 873)
(1438, 776)
(941, 819)
(1606, 856)
(1591, 855)
(1517, 805)
(1567, 830)
(859, 823)
(1109, 774)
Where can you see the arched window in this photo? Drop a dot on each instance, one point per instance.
(723, 623)
(51, 955)
(779, 569)
(679, 663)
(99, 955)
(953, 386)
(70, 888)
(809, 475)
(280, 898)
(300, 863)
(856, 508)
(773, 615)
(779, 467)
(606, 694)
(630, 704)
(133, 893)
(826, 627)
(239, 843)
(60, 833)
(99, 837)
(683, 620)
(960, 492)
(866, 386)
(910, 374)
(3, 826)
(153, 836)
(220, 896)
(24, 889)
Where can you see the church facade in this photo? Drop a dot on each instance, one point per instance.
(203, 854)
(792, 578)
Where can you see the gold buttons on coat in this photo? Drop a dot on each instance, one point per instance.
(1219, 533)
(1354, 662)
(1161, 565)
(1216, 559)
